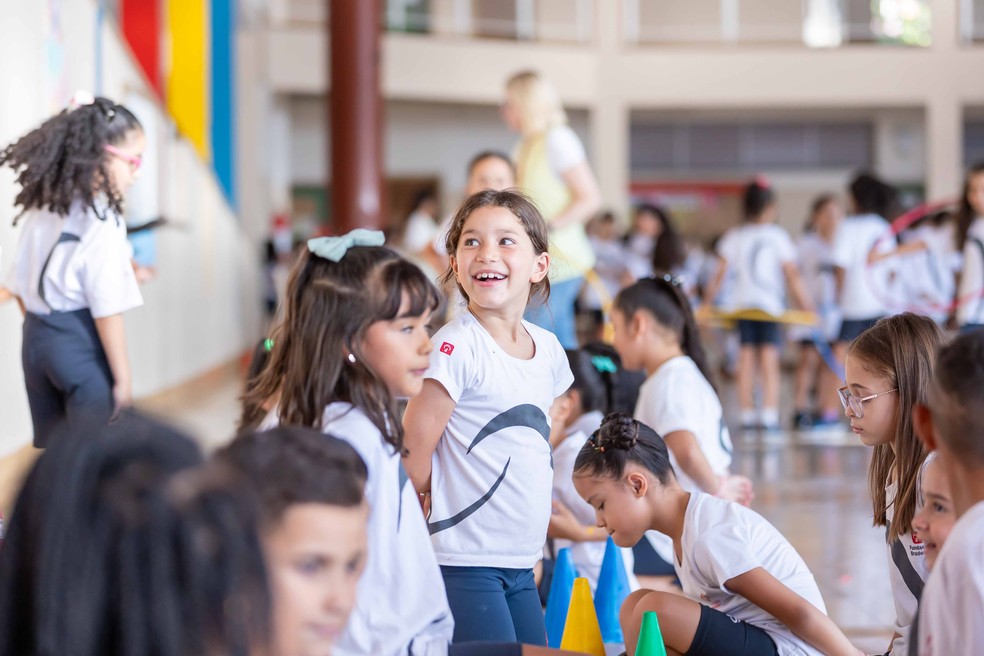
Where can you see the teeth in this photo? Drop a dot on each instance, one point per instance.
(490, 276)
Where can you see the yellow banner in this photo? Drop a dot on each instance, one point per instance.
(187, 79)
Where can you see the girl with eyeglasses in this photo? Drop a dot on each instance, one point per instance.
(72, 274)
(655, 330)
(888, 370)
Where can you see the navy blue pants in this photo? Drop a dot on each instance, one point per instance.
(65, 370)
(494, 604)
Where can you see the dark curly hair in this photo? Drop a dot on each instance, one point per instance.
(619, 441)
(64, 159)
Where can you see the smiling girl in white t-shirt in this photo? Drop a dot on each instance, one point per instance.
(747, 591)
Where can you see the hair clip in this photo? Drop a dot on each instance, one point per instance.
(335, 248)
(81, 98)
(604, 364)
(668, 279)
(268, 344)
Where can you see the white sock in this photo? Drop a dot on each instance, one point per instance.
(748, 418)
(770, 416)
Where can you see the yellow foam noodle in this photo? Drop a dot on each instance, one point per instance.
(712, 316)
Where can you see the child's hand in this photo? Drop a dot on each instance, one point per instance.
(122, 398)
(563, 524)
(738, 489)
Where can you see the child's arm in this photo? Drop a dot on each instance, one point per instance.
(694, 464)
(113, 338)
(796, 613)
(564, 525)
(585, 197)
(795, 283)
(715, 284)
(424, 421)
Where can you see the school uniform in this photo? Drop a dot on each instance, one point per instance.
(722, 540)
(953, 601)
(757, 252)
(677, 397)
(69, 271)
(970, 312)
(907, 573)
(816, 267)
(926, 278)
(866, 287)
(587, 556)
(401, 608)
(491, 477)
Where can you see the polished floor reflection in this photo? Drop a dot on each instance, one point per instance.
(812, 486)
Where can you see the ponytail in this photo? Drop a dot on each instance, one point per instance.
(619, 441)
(663, 298)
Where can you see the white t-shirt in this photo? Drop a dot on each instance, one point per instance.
(491, 476)
(93, 272)
(971, 294)
(757, 252)
(677, 397)
(926, 278)
(421, 229)
(951, 613)
(866, 289)
(722, 540)
(587, 556)
(907, 572)
(815, 260)
(564, 149)
(400, 600)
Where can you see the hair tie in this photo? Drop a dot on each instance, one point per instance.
(762, 181)
(81, 98)
(603, 364)
(335, 248)
(668, 279)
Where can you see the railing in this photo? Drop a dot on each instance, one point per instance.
(813, 23)
(570, 21)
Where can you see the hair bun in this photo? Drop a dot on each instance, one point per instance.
(618, 431)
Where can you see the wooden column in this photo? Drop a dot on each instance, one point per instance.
(355, 115)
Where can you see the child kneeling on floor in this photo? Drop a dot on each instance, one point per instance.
(747, 590)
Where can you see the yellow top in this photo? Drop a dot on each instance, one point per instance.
(570, 251)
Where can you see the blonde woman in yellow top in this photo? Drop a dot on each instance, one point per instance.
(552, 168)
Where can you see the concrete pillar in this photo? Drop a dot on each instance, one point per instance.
(356, 115)
(610, 115)
(944, 154)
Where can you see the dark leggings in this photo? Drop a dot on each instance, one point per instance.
(494, 604)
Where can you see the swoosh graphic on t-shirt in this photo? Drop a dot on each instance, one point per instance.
(766, 284)
(522, 415)
(444, 524)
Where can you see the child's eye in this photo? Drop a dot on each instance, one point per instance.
(939, 507)
(470, 242)
(311, 566)
(507, 241)
(602, 506)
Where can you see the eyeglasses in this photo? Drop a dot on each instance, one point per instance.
(133, 160)
(856, 403)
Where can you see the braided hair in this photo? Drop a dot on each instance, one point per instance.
(619, 441)
(64, 158)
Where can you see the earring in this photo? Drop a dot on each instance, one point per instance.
(351, 358)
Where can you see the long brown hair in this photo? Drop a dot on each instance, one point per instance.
(328, 307)
(901, 349)
(966, 214)
(523, 209)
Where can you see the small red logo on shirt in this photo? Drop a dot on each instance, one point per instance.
(447, 349)
(915, 538)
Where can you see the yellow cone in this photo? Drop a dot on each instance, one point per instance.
(581, 632)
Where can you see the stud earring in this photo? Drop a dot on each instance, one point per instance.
(351, 358)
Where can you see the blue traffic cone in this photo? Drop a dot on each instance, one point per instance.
(559, 597)
(613, 588)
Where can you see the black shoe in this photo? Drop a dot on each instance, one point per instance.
(803, 420)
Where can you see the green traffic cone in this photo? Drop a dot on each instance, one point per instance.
(650, 637)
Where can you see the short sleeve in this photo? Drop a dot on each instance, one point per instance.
(451, 363)
(564, 149)
(563, 377)
(107, 274)
(841, 254)
(727, 247)
(721, 553)
(785, 246)
(666, 413)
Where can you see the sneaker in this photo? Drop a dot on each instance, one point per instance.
(803, 420)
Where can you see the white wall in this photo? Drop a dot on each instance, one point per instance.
(422, 139)
(203, 310)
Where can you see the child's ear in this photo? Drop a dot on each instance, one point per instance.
(638, 323)
(922, 421)
(638, 483)
(453, 262)
(540, 268)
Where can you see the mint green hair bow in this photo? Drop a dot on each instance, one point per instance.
(335, 248)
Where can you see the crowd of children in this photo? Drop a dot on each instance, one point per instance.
(336, 523)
